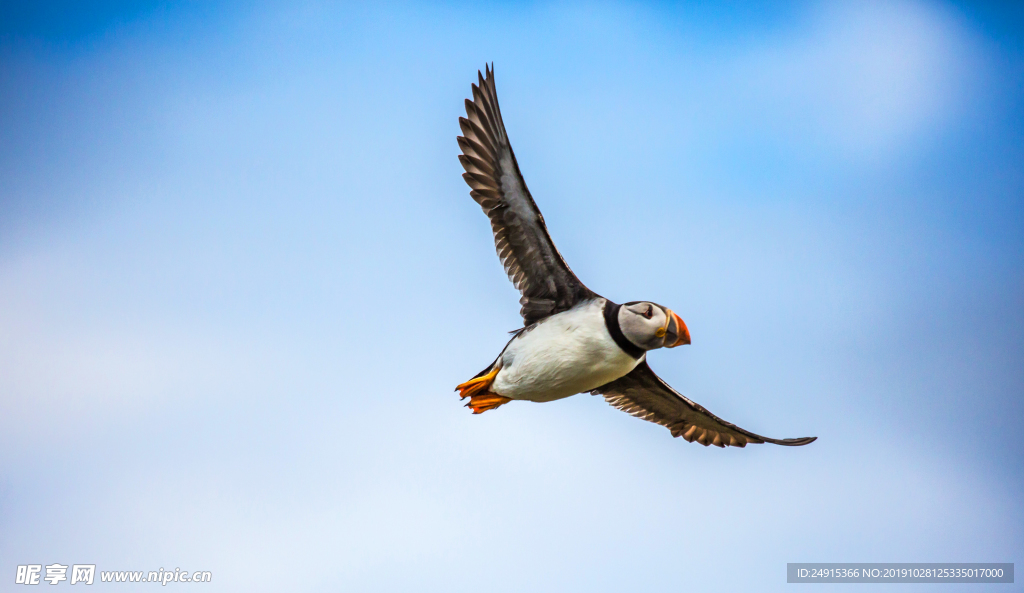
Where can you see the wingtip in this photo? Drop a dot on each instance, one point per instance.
(488, 73)
(800, 442)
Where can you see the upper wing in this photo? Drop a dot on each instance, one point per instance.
(530, 258)
(644, 395)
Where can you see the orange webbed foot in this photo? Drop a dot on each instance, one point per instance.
(478, 385)
(488, 401)
(478, 392)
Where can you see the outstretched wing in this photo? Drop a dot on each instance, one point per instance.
(530, 258)
(644, 395)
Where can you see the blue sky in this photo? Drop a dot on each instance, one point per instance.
(240, 275)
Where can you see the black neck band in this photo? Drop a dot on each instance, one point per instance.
(611, 321)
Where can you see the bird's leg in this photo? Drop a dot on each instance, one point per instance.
(478, 392)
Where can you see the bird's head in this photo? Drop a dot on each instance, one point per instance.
(651, 326)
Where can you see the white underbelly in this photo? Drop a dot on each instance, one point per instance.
(565, 354)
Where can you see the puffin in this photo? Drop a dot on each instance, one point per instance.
(573, 340)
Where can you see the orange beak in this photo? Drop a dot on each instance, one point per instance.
(676, 333)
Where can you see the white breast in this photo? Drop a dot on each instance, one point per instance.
(567, 353)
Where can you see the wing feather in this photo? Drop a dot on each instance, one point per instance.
(521, 238)
(643, 394)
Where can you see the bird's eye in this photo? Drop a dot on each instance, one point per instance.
(649, 312)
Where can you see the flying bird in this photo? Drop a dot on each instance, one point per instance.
(573, 340)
